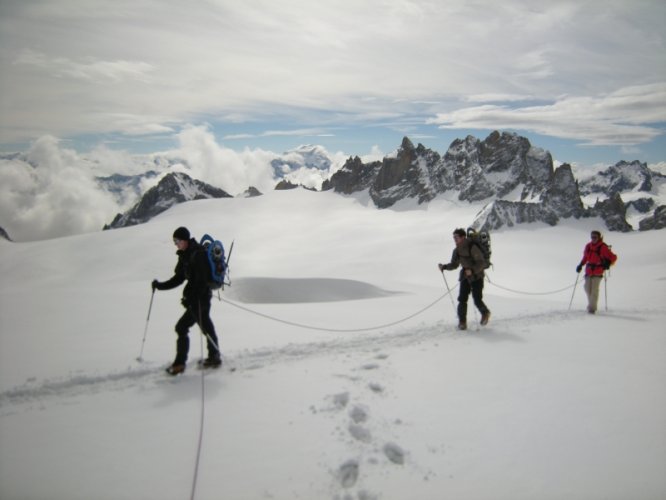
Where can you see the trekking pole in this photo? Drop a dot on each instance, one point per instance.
(605, 291)
(574, 291)
(449, 292)
(145, 331)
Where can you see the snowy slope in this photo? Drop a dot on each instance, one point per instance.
(542, 403)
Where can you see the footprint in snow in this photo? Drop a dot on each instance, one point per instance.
(348, 473)
(358, 414)
(394, 453)
(376, 388)
(340, 400)
(360, 433)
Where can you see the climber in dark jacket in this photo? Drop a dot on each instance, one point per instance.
(470, 258)
(193, 267)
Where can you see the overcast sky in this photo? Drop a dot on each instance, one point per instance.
(584, 79)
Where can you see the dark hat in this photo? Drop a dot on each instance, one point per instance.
(181, 234)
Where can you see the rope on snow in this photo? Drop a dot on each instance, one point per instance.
(337, 330)
(530, 293)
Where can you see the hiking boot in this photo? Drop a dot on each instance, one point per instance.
(209, 362)
(462, 325)
(175, 369)
(485, 317)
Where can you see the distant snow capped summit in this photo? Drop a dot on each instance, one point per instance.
(174, 188)
(305, 156)
(621, 177)
(307, 165)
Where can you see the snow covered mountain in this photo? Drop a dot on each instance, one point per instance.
(308, 156)
(504, 165)
(507, 180)
(307, 165)
(633, 188)
(513, 181)
(174, 188)
(622, 177)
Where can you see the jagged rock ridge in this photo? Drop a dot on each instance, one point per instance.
(172, 189)
(516, 180)
(478, 170)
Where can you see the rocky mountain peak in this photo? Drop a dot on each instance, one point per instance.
(173, 188)
(406, 147)
(516, 180)
(562, 195)
(623, 176)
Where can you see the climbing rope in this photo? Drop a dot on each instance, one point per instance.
(338, 330)
(325, 329)
(529, 293)
(201, 427)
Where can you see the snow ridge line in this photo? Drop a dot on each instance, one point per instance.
(259, 358)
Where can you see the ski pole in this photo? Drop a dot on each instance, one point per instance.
(574, 291)
(605, 291)
(145, 331)
(449, 292)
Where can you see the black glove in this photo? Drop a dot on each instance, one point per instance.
(579, 268)
(605, 264)
(441, 267)
(154, 285)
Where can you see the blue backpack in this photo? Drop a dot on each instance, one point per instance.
(218, 264)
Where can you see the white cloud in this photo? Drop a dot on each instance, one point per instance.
(618, 118)
(87, 69)
(52, 191)
(212, 163)
(80, 67)
(376, 154)
(50, 194)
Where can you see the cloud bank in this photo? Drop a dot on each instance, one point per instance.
(149, 68)
(52, 191)
(619, 118)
